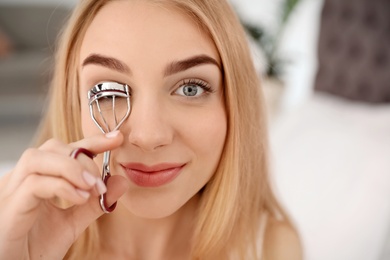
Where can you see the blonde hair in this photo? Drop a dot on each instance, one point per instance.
(239, 193)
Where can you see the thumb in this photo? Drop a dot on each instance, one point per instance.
(84, 215)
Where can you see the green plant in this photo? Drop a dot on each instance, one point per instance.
(269, 42)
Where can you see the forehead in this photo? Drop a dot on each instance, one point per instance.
(140, 29)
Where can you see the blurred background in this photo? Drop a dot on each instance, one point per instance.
(325, 66)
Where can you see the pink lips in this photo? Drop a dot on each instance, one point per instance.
(152, 176)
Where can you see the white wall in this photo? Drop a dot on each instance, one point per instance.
(299, 44)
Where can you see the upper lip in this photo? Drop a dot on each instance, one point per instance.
(153, 168)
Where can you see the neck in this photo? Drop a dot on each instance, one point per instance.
(127, 236)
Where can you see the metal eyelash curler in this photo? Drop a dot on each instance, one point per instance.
(108, 101)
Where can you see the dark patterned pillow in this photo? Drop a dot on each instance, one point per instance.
(354, 50)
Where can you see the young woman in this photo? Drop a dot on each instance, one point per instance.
(189, 165)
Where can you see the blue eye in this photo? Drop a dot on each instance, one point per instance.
(189, 90)
(193, 88)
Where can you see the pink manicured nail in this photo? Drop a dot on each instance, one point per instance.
(100, 186)
(89, 178)
(112, 134)
(83, 193)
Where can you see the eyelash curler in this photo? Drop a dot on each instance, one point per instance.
(108, 102)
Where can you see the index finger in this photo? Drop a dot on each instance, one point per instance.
(100, 143)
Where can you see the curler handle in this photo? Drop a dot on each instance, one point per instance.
(105, 176)
(102, 200)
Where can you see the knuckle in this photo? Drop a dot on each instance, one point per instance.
(52, 144)
(30, 182)
(28, 154)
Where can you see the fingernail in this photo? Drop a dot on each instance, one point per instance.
(89, 178)
(83, 193)
(100, 186)
(112, 134)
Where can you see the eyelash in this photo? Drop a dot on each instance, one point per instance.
(197, 82)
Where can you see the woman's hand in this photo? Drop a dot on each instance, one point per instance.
(32, 226)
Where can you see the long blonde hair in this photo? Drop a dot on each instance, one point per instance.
(239, 193)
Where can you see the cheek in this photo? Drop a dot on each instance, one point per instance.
(207, 138)
(213, 135)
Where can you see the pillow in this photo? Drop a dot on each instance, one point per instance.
(354, 50)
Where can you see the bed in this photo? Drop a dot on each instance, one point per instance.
(332, 171)
(331, 148)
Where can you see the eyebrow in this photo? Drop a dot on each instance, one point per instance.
(172, 68)
(109, 62)
(182, 65)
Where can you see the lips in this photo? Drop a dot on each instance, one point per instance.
(152, 176)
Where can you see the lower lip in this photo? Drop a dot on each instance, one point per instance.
(153, 179)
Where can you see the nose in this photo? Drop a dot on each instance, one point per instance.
(148, 124)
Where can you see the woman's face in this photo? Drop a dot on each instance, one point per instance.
(176, 131)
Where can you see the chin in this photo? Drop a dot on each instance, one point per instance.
(152, 206)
